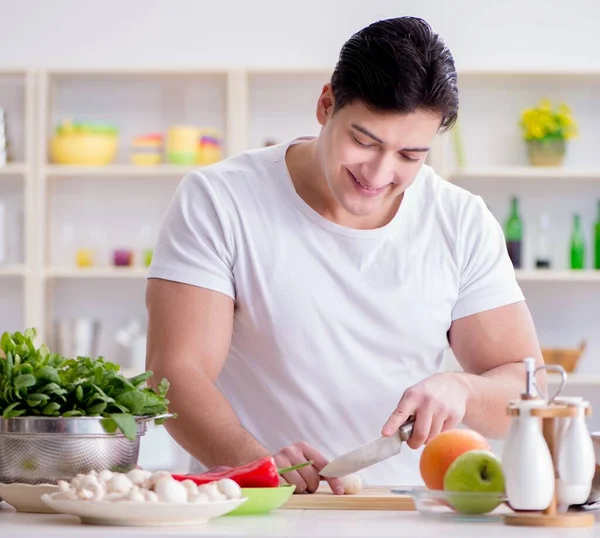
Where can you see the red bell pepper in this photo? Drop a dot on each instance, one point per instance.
(262, 473)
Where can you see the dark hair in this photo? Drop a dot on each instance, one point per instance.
(397, 65)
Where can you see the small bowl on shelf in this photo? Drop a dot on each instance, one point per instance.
(457, 505)
(565, 357)
(84, 144)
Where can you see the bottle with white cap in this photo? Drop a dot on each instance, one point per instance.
(526, 459)
(576, 461)
(542, 255)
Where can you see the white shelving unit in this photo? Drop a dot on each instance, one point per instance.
(251, 107)
(17, 190)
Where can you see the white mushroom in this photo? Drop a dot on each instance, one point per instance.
(229, 488)
(119, 483)
(114, 497)
(158, 476)
(75, 482)
(211, 490)
(104, 476)
(63, 486)
(201, 498)
(69, 495)
(99, 492)
(88, 482)
(352, 484)
(150, 496)
(171, 491)
(139, 477)
(85, 494)
(190, 487)
(136, 495)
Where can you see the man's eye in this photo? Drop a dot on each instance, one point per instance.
(357, 141)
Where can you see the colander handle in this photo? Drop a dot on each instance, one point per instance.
(155, 417)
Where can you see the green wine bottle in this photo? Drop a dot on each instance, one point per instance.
(597, 240)
(513, 230)
(577, 244)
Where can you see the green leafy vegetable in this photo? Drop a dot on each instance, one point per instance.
(36, 382)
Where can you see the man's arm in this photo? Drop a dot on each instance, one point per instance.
(490, 347)
(189, 333)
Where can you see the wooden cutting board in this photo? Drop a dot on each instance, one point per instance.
(373, 498)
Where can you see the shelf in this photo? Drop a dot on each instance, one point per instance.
(574, 379)
(12, 270)
(13, 169)
(119, 171)
(525, 172)
(96, 272)
(544, 275)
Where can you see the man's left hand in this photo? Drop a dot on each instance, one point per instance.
(438, 403)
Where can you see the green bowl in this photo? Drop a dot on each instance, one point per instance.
(263, 500)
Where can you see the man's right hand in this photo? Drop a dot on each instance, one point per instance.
(306, 479)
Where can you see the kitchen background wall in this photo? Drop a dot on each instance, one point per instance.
(509, 36)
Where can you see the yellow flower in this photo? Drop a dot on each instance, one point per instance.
(545, 121)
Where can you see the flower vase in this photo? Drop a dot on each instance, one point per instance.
(546, 152)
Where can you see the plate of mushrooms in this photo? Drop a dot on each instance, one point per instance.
(143, 498)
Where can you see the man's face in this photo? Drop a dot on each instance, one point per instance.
(369, 158)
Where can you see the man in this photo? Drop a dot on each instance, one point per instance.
(302, 295)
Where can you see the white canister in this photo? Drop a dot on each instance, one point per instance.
(527, 464)
(576, 462)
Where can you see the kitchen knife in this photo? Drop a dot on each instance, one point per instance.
(369, 454)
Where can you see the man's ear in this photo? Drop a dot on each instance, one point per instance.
(325, 104)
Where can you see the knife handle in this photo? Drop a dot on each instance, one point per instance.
(406, 429)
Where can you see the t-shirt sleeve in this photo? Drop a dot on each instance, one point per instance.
(195, 245)
(487, 276)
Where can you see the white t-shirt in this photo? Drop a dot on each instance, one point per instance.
(331, 324)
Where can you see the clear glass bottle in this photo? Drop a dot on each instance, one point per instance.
(542, 254)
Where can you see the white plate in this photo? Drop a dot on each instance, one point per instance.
(27, 497)
(130, 514)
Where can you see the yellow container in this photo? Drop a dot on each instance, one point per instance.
(182, 142)
(209, 147)
(147, 150)
(85, 144)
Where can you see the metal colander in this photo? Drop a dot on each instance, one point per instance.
(35, 450)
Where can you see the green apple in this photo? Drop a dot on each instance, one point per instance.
(476, 472)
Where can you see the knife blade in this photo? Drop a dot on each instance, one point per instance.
(369, 454)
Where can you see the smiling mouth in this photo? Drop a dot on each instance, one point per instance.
(366, 188)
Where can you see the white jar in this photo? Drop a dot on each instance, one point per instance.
(576, 462)
(527, 462)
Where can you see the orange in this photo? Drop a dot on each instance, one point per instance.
(443, 449)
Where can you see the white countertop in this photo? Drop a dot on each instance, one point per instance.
(289, 524)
